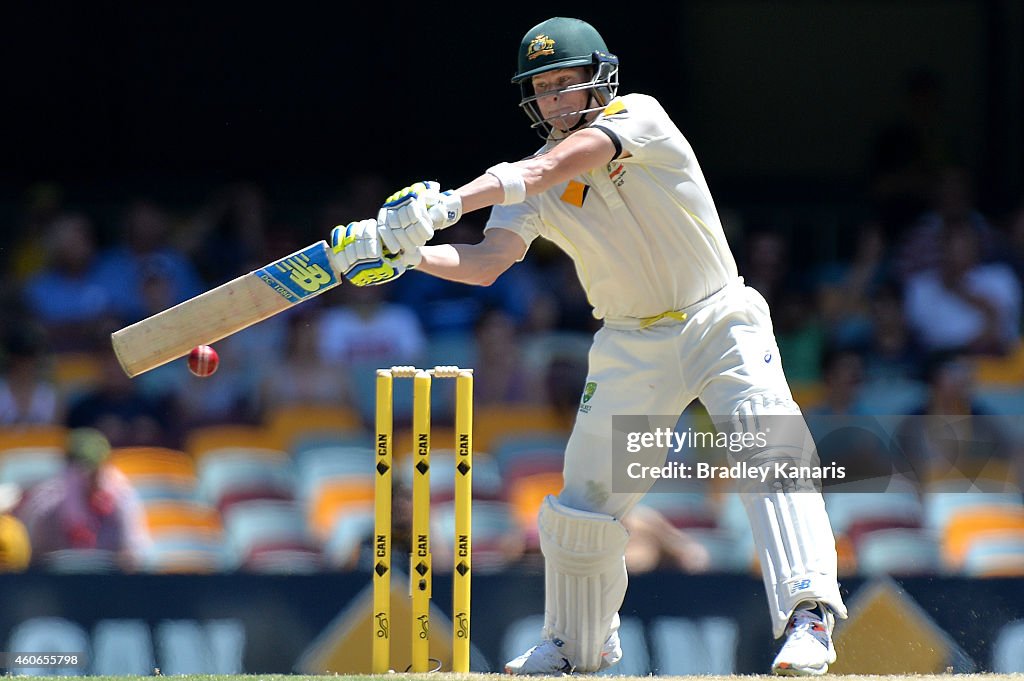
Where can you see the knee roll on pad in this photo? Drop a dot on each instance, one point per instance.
(585, 578)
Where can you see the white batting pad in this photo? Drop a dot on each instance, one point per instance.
(792, 534)
(585, 579)
(797, 552)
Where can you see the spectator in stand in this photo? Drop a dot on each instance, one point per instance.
(891, 353)
(843, 375)
(25, 395)
(229, 232)
(920, 249)
(301, 376)
(125, 267)
(69, 297)
(1015, 234)
(121, 411)
(937, 439)
(961, 304)
(655, 544)
(500, 376)
(845, 289)
(15, 548)
(90, 505)
(366, 329)
(451, 308)
(42, 205)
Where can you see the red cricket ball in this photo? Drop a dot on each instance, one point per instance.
(203, 360)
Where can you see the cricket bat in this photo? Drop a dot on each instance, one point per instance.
(225, 310)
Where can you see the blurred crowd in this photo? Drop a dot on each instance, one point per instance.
(910, 306)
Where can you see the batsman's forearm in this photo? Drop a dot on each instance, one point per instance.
(459, 262)
(483, 192)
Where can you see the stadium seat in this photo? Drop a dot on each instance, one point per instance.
(150, 462)
(317, 466)
(942, 501)
(231, 475)
(488, 482)
(683, 508)
(529, 444)
(494, 422)
(81, 561)
(996, 553)
(968, 525)
(268, 536)
(152, 490)
(335, 498)
(898, 551)
(30, 465)
(993, 372)
(341, 550)
(294, 423)
(207, 438)
(1005, 401)
(75, 373)
(352, 438)
(50, 436)
(496, 538)
(525, 496)
(725, 552)
(902, 508)
(896, 396)
(172, 553)
(179, 518)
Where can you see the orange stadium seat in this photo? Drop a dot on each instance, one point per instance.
(76, 372)
(971, 524)
(291, 423)
(148, 462)
(334, 499)
(526, 493)
(182, 518)
(13, 437)
(204, 439)
(996, 553)
(493, 422)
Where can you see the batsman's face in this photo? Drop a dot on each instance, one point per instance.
(554, 106)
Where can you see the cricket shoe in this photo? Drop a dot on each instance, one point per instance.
(548, 658)
(808, 649)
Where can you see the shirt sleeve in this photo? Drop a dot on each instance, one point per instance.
(521, 218)
(639, 125)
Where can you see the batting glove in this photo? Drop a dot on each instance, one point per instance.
(410, 216)
(358, 257)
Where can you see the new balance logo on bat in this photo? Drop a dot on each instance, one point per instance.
(300, 275)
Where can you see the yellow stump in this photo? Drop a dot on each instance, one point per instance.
(420, 575)
(382, 526)
(463, 520)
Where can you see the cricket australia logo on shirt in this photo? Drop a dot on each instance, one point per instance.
(588, 393)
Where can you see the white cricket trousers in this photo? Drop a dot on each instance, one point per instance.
(724, 354)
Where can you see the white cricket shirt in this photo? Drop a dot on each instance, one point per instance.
(643, 232)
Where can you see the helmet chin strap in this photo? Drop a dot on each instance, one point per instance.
(582, 122)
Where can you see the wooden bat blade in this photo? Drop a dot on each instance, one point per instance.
(225, 310)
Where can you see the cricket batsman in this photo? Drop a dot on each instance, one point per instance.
(618, 188)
